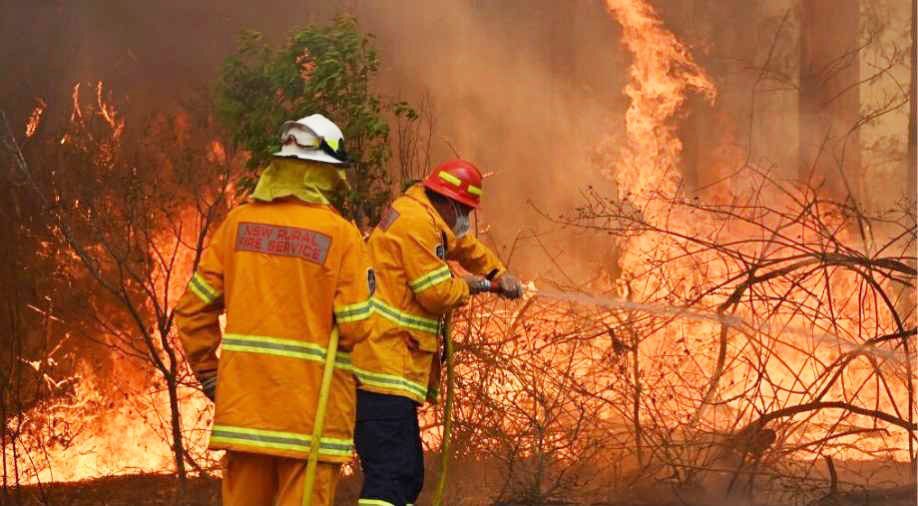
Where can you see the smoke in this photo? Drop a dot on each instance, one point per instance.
(528, 91)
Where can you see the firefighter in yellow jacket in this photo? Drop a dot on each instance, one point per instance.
(285, 268)
(397, 368)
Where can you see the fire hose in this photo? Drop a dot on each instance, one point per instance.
(318, 425)
(325, 388)
(322, 408)
(491, 287)
(447, 413)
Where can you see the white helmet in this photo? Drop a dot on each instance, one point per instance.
(313, 138)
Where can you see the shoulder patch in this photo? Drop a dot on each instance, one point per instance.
(277, 240)
(388, 218)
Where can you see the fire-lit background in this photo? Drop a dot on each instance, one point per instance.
(712, 200)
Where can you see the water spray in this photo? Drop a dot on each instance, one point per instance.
(735, 322)
(530, 292)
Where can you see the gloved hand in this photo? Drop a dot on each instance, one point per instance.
(476, 284)
(510, 287)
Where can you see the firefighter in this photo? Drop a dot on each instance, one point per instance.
(398, 367)
(285, 268)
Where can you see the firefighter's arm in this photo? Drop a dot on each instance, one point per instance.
(429, 276)
(356, 281)
(476, 258)
(198, 311)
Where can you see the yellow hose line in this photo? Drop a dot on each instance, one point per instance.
(447, 414)
(319, 424)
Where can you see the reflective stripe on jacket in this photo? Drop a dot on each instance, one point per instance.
(414, 289)
(280, 270)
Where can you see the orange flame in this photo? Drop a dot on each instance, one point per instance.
(96, 426)
(77, 114)
(35, 118)
(108, 112)
(105, 429)
(662, 74)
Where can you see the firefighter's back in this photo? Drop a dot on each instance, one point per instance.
(283, 269)
(282, 262)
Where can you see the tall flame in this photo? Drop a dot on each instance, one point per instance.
(661, 75)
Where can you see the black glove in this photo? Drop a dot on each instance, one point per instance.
(510, 286)
(476, 284)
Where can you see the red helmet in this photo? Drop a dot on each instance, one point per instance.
(458, 180)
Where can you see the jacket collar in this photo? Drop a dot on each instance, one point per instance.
(310, 182)
(417, 194)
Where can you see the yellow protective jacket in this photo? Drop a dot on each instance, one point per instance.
(414, 289)
(280, 270)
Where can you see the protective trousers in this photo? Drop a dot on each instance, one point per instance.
(251, 479)
(388, 440)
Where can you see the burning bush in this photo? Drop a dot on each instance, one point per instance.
(130, 209)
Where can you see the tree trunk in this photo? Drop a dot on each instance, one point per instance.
(636, 407)
(912, 161)
(178, 446)
(912, 181)
(3, 442)
(724, 25)
(686, 20)
(829, 101)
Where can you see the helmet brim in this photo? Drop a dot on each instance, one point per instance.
(316, 155)
(452, 195)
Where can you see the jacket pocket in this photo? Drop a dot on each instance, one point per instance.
(426, 341)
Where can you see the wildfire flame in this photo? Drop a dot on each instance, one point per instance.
(662, 74)
(678, 358)
(108, 112)
(92, 426)
(692, 392)
(35, 118)
(89, 424)
(89, 432)
(77, 112)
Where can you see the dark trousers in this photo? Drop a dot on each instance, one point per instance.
(388, 440)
